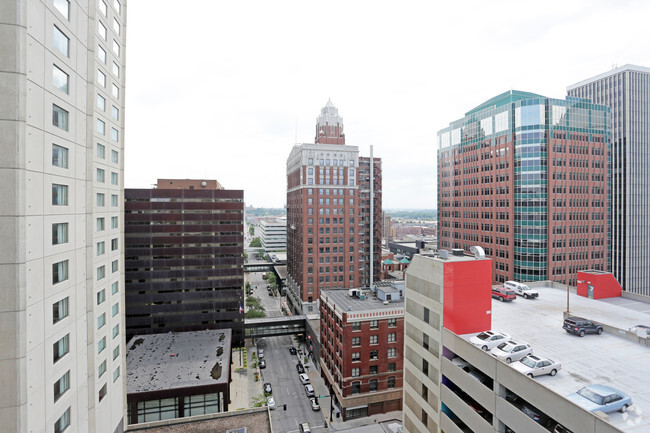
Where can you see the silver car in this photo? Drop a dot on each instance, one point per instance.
(509, 351)
(532, 366)
(488, 340)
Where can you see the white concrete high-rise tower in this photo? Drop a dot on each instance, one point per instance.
(61, 172)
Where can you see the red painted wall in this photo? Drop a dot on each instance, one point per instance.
(467, 296)
(605, 285)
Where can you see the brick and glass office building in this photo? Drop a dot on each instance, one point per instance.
(361, 350)
(184, 259)
(626, 90)
(526, 177)
(333, 212)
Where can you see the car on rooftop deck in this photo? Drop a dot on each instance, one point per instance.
(510, 350)
(533, 365)
(488, 340)
(600, 397)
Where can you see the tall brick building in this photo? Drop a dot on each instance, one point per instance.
(526, 178)
(361, 352)
(333, 213)
(184, 258)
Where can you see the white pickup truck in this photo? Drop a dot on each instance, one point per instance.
(521, 289)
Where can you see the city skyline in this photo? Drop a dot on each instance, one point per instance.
(397, 76)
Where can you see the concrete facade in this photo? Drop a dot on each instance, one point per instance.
(274, 235)
(626, 90)
(61, 171)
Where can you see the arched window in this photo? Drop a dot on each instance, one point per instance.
(356, 387)
(373, 384)
(391, 382)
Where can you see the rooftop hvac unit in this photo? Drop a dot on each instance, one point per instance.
(444, 254)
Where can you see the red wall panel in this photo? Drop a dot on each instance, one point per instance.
(467, 296)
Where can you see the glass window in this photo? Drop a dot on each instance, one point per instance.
(116, 352)
(101, 345)
(392, 337)
(59, 156)
(116, 330)
(390, 383)
(60, 310)
(100, 224)
(101, 126)
(60, 79)
(101, 28)
(61, 42)
(102, 392)
(114, 222)
(62, 385)
(101, 78)
(116, 374)
(373, 384)
(113, 244)
(59, 195)
(115, 287)
(115, 156)
(103, 7)
(101, 321)
(101, 297)
(117, 6)
(374, 339)
(101, 151)
(356, 387)
(356, 341)
(59, 233)
(101, 54)
(63, 422)
(115, 91)
(114, 266)
(59, 117)
(115, 309)
(356, 326)
(356, 372)
(63, 6)
(356, 356)
(392, 352)
(114, 179)
(100, 199)
(392, 322)
(116, 47)
(101, 272)
(391, 366)
(114, 200)
(374, 324)
(116, 69)
(101, 175)
(61, 348)
(116, 26)
(100, 248)
(115, 135)
(115, 113)
(101, 102)
(101, 369)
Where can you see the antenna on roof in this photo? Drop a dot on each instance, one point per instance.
(296, 129)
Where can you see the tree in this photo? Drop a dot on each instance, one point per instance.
(251, 229)
(259, 400)
(254, 303)
(255, 314)
(256, 243)
(248, 285)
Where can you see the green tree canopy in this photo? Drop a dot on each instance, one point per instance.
(256, 243)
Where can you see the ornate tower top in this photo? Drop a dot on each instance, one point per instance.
(329, 125)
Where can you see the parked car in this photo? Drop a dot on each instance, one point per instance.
(510, 350)
(292, 350)
(532, 366)
(270, 402)
(641, 330)
(521, 289)
(460, 362)
(503, 294)
(314, 404)
(600, 397)
(260, 353)
(304, 379)
(309, 390)
(538, 416)
(581, 326)
(300, 368)
(488, 339)
(304, 427)
(262, 363)
(561, 429)
(267, 388)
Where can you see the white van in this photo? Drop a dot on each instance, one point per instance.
(521, 289)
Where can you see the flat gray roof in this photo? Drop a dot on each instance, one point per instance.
(178, 360)
(343, 300)
(607, 359)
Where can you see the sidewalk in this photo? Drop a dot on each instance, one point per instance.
(243, 387)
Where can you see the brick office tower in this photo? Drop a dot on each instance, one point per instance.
(328, 215)
(626, 90)
(362, 342)
(184, 259)
(525, 177)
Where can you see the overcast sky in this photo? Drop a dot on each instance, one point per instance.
(223, 89)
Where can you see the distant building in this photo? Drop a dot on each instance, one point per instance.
(386, 233)
(188, 184)
(626, 91)
(332, 217)
(526, 178)
(361, 349)
(274, 234)
(184, 260)
(178, 374)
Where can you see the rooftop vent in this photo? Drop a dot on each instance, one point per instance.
(457, 252)
(444, 254)
(479, 252)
